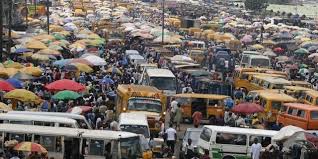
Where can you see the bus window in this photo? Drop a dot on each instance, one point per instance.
(265, 141)
(276, 105)
(214, 102)
(18, 137)
(314, 115)
(48, 142)
(233, 139)
(184, 101)
(301, 113)
(96, 147)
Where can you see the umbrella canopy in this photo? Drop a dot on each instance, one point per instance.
(83, 67)
(247, 39)
(35, 45)
(247, 108)
(313, 48)
(6, 86)
(23, 95)
(23, 76)
(65, 84)
(282, 58)
(95, 60)
(269, 53)
(71, 68)
(80, 109)
(34, 71)
(107, 80)
(286, 132)
(66, 95)
(15, 82)
(278, 50)
(30, 147)
(49, 52)
(301, 136)
(62, 62)
(10, 64)
(181, 58)
(301, 51)
(5, 107)
(313, 55)
(114, 70)
(80, 60)
(258, 46)
(42, 57)
(55, 47)
(22, 50)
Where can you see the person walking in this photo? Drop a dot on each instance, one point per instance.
(256, 149)
(206, 155)
(196, 117)
(178, 117)
(189, 150)
(171, 134)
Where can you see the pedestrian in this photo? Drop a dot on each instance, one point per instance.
(197, 117)
(171, 134)
(189, 150)
(256, 149)
(178, 117)
(206, 155)
(173, 108)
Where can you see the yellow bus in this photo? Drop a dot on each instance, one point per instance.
(310, 97)
(142, 99)
(295, 91)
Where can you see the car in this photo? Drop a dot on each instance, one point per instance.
(190, 133)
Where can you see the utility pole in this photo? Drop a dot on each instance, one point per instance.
(163, 22)
(1, 29)
(26, 12)
(10, 25)
(35, 7)
(48, 16)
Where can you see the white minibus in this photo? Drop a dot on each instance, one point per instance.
(134, 122)
(80, 119)
(62, 143)
(38, 120)
(162, 79)
(225, 142)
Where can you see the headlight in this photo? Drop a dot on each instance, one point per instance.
(164, 113)
(124, 109)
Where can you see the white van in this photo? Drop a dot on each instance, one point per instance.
(245, 56)
(131, 52)
(136, 59)
(80, 119)
(134, 122)
(162, 79)
(231, 142)
(257, 61)
(38, 120)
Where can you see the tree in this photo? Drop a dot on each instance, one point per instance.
(255, 5)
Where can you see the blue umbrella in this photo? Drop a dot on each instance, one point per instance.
(229, 103)
(22, 50)
(61, 63)
(107, 80)
(15, 82)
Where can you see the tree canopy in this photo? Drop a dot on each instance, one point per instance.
(255, 4)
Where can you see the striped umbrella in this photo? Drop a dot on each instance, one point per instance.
(30, 147)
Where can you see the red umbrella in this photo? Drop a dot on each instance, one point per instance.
(278, 50)
(6, 86)
(80, 60)
(80, 109)
(65, 84)
(247, 108)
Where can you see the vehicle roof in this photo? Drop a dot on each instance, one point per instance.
(277, 96)
(237, 130)
(265, 74)
(103, 134)
(312, 93)
(252, 53)
(57, 114)
(157, 72)
(136, 57)
(297, 88)
(277, 80)
(149, 65)
(184, 66)
(194, 129)
(259, 56)
(197, 95)
(265, 90)
(24, 117)
(132, 52)
(302, 106)
(133, 119)
(41, 130)
(137, 88)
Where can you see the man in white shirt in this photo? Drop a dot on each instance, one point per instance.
(174, 107)
(256, 149)
(171, 135)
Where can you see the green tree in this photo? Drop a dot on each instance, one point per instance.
(255, 5)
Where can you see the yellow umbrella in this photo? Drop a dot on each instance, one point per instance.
(40, 57)
(83, 67)
(5, 107)
(11, 71)
(13, 65)
(35, 45)
(43, 36)
(23, 95)
(78, 46)
(56, 28)
(49, 52)
(305, 39)
(1, 65)
(258, 46)
(34, 71)
(3, 73)
(268, 42)
(93, 36)
(65, 33)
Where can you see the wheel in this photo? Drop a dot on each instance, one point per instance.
(228, 157)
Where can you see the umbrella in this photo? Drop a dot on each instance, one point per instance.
(301, 51)
(34, 71)
(282, 58)
(80, 109)
(95, 60)
(5, 107)
(35, 45)
(313, 55)
(17, 65)
(107, 80)
(71, 68)
(286, 132)
(278, 50)
(23, 76)
(82, 61)
(269, 53)
(247, 39)
(301, 136)
(114, 70)
(83, 67)
(42, 57)
(22, 50)
(15, 82)
(65, 84)
(303, 71)
(65, 95)
(30, 147)
(258, 46)
(23, 95)
(49, 52)
(181, 58)
(313, 48)
(247, 108)
(55, 47)
(6, 86)
(62, 62)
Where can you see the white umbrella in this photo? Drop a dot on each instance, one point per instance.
(181, 58)
(286, 132)
(95, 60)
(313, 55)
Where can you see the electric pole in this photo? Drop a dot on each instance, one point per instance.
(1, 29)
(10, 26)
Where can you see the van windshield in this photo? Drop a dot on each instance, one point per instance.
(130, 148)
(260, 62)
(163, 83)
(149, 105)
(137, 129)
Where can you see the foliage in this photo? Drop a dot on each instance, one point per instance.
(256, 5)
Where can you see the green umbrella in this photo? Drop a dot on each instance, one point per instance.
(64, 95)
(303, 66)
(58, 36)
(301, 51)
